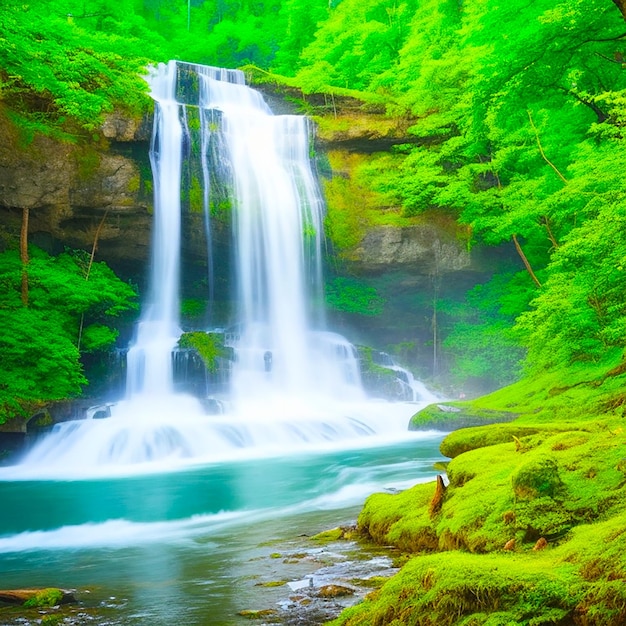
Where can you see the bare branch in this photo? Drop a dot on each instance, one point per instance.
(543, 154)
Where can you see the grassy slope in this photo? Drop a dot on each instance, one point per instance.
(555, 473)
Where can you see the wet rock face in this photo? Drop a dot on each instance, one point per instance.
(77, 192)
(425, 247)
(120, 127)
(34, 176)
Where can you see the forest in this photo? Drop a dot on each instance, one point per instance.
(512, 118)
(516, 114)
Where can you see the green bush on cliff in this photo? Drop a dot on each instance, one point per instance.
(351, 295)
(64, 64)
(210, 347)
(40, 342)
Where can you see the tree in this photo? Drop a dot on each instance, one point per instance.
(40, 357)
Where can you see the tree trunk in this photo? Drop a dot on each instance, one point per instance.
(24, 255)
(91, 258)
(525, 261)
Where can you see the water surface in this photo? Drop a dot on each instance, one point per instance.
(191, 546)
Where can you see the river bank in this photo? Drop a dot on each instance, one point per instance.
(530, 528)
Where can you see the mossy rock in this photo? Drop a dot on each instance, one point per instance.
(457, 588)
(36, 598)
(472, 438)
(400, 519)
(453, 415)
(272, 583)
(209, 346)
(335, 591)
(270, 615)
(327, 536)
(538, 476)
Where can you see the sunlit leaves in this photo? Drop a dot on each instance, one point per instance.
(58, 67)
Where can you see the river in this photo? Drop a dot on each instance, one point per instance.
(193, 546)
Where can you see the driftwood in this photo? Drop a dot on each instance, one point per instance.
(20, 596)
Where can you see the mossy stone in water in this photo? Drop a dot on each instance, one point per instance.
(45, 598)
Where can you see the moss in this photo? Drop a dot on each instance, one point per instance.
(270, 615)
(88, 162)
(45, 598)
(134, 184)
(453, 415)
(467, 439)
(539, 476)
(400, 519)
(555, 477)
(456, 588)
(334, 534)
(42, 419)
(209, 346)
(196, 195)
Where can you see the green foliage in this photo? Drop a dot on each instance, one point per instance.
(482, 343)
(192, 308)
(354, 44)
(580, 313)
(39, 345)
(350, 295)
(518, 114)
(210, 347)
(64, 64)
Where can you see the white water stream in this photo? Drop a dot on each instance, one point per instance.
(295, 386)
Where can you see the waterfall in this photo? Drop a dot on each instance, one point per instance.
(295, 385)
(261, 162)
(149, 362)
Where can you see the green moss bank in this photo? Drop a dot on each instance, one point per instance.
(530, 525)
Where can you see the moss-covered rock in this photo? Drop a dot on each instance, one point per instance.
(539, 476)
(472, 438)
(456, 588)
(209, 346)
(453, 415)
(36, 598)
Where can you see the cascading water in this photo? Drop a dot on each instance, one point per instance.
(178, 499)
(292, 387)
